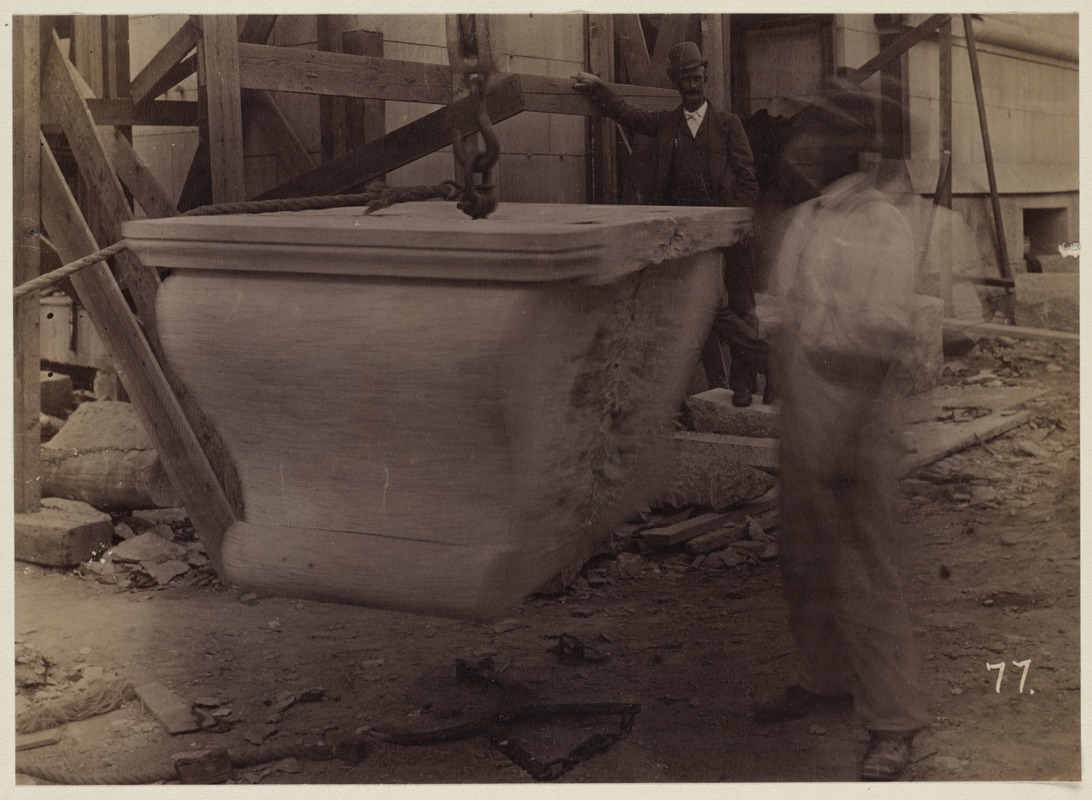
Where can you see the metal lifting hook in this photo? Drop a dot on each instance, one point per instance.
(478, 200)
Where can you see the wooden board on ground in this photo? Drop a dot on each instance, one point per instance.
(932, 433)
(932, 441)
(671, 535)
(937, 403)
(990, 329)
(32, 741)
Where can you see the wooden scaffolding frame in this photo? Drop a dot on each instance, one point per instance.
(87, 95)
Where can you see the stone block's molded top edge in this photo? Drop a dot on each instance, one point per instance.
(520, 241)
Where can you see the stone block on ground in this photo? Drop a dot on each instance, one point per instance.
(62, 534)
(920, 364)
(58, 398)
(708, 474)
(103, 456)
(751, 451)
(1058, 263)
(713, 412)
(1048, 300)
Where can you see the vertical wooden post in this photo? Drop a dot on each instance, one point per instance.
(86, 50)
(26, 92)
(944, 187)
(332, 110)
(365, 120)
(602, 158)
(712, 48)
(995, 200)
(221, 105)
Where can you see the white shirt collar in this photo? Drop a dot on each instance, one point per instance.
(699, 115)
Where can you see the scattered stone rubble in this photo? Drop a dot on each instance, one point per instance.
(152, 549)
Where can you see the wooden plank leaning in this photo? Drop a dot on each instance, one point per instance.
(64, 93)
(409, 143)
(169, 66)
(136, 175)
(152, 396)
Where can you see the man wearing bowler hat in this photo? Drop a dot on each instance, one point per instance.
(703, 158)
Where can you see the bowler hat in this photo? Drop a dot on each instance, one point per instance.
(682, 57)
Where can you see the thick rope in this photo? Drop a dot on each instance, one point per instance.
(58, 275)
(376, 198)
(99, 698)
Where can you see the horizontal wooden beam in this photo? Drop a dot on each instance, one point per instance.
(287, 69)
(122, 113)
(283, 69)
(407, 144)
(162, 72)
(556, 96)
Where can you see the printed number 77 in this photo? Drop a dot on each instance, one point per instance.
(1001, 672)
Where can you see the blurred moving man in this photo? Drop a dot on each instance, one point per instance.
(845, 277)
(703, 159)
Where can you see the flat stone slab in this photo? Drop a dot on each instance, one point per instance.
(62, 534)
(174, 714)
(1048, 300)
(712, 412)
(707, 474)
(1060, 263)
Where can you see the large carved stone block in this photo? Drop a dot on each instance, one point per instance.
(427, 412)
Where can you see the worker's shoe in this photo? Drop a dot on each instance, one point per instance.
(741, 398)
(888, 754)
(796, 702)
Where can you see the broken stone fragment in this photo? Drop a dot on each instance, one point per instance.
(629, 565)
(166, 571)
(148, 548)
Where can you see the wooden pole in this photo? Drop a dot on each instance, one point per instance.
(995, 200)
(602, 155)
(943, 196)
(26, 218)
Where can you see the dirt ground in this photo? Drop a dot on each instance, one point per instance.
(993, 576)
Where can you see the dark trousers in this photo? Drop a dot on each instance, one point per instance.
(736, 323)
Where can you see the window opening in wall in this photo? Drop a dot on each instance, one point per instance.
(1044, 230)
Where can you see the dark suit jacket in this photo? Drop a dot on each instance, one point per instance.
(731, 163)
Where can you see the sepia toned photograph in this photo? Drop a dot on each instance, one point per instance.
(497, 400)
